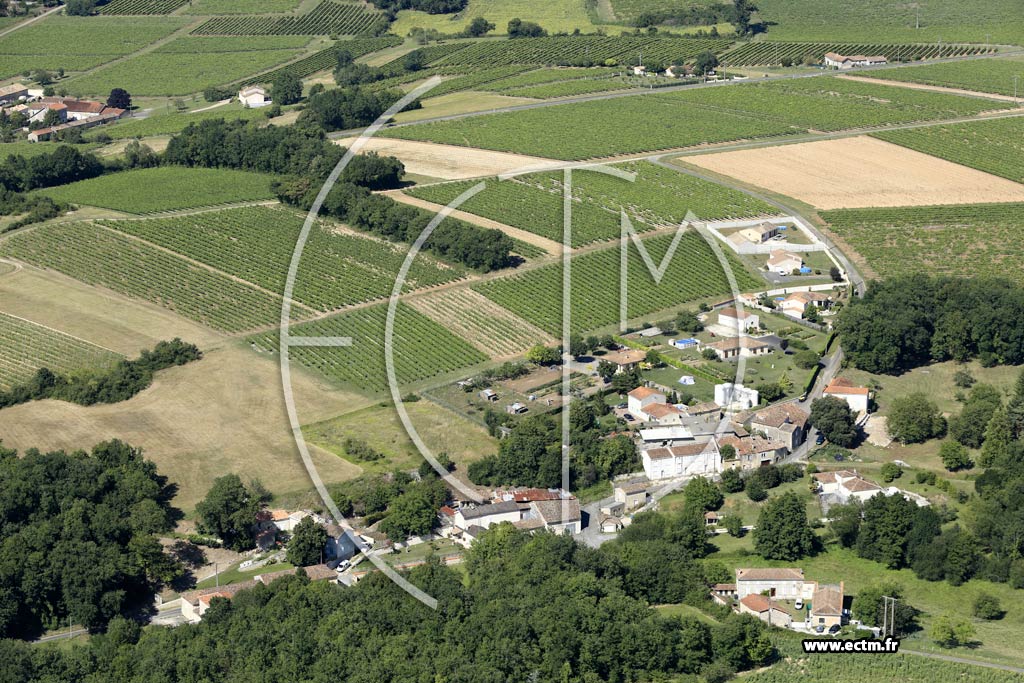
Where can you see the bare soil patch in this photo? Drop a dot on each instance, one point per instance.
(451, 162)
(860, 172)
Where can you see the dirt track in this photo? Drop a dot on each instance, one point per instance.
(860, 172)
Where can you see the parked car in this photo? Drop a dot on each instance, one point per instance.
(820, 628)
(342, 566)
(820, 439)
(628, 418)
(621, 405)
(834, 629)
(799, 604)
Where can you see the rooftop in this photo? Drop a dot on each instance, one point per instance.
(828, 600)
(781, 414)
(770, 574)
(640, 393)
(760, 603)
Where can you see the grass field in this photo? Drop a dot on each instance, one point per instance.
(688, 118)
(556, 15)
(203, 44)
(177, 72)
(985, 75)
(31, 149)
(168, 123)
(329, 17)
(204, 7)
(379, 426)
(970, 240)
(102, 257)
(995, 146)
(658, 197)
(141, 7)
(978, 21)
(165, 188)
(84, 41)
(25, 347)
(423, 349)
(256, 245)
(536, 297)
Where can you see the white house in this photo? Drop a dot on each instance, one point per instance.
(784, 262)
(486, 515)
(734, 347)
(734, 319)
(631, 494)
(855, 397)
(735, 396)
(760, 233)
(783, 583)
(846, 486)
(639, 70)
(253, 96)
(834, 60)
(642, 397)
(561, 516)
(662, 414)
(796, 304)
(692, 459)
(626, 359)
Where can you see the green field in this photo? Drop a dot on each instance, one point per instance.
(658, 197)
(548, 75)
(102, 257)
(256, 245)
(25, 347)
(204, 7)
(628, 10)
(772, 52)
(168, 123)
(975, 240)
(983, 75)
(423, 348)
(138, 7)
(687, 118)
(977, 21)
(326, 59)
(84, 42)
(330, 17)
(581, 86)
(693, 273)
(31, 149)
(553, 15)
(165, 188)
(995, 146)
(201, 44)
(177, 72)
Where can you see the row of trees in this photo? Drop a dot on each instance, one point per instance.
(119, 383)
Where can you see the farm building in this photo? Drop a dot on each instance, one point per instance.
(734, 347)
(253, 96)
(642, 397)
(662, 414)
(13, 93)
(766, 610)
(827, 605)
(834, 60)
(753, 451)
(665, 436)
(855, 397)
(784, 583)
(783, 262)
(631, 494)
(626, 359)
(735, 319)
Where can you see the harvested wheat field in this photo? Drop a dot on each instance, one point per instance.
(451, 162)
(483, 323)
(860, 172)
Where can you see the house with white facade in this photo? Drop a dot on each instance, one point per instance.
(734, 319)
(782, 583)
(784, 262)
(796, 304)
(735, 397)
(487, 514)
(631, 494)
(834, 60)
(734, 347)
(253, 96)
(642, 397)
(698, 457)
(855, 397)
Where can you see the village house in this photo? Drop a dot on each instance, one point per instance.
(253, 96)
(642, 397)
(610, 524)
(783, 262)
(843, 486)
(834, 60)
(766, 610)
(13, 93)
(796, 304)
(827, 606)
(559, 516)
(735, 397)
(699, 457)
(487, 514)
(855, 397)
(734, 319)
(626, 359)
(753, 451)
(663, 415)
(760, 233)
(74, 113)
(631, 494)
(734, 347)
(195, 604)
(783, 583)
(280, 520)
(664, 436)
(785, 423)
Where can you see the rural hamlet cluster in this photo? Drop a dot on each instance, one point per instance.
(582, 341)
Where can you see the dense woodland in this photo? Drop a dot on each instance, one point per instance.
(78, 537)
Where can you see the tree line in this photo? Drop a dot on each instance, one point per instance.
(119, 383)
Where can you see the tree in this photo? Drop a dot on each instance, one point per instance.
(709, 354)
(79, 8)
(577, 346)
(706, 62)
(479, 27)
(914, 419)
(687, 321)
(414, 513)
(606, 369)
(702, 495)
(119, 99)
(834, 419)
(845, 523)
(734, 525)
(986, 606)
(732, 482)
(229, 512)
(883, 533)
(890, 471)
(806, 359)
(286, 88)
(543, 355)
(414, 61)
(374, 172)
(782, 531)
(306, 547)
(998, 445)
(742, 12)
(756, 491)
(517, 28)
(835, 274)
(954, 456)
(950, 633)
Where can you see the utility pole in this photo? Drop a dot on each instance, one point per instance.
(918, 8)
(1015, 100)
(888, 622)
(216, 574)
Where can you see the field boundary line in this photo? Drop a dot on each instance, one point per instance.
(28, 22)
(62, 333)
(910, 85)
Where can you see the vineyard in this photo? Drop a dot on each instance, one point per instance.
(580, 86)
(769, 53)
(693, 273)
(204, 44)
(208, 7)
(327, 59)
(481, 322)
(255, 244)
(327, 18)
(25, 347)
(165, 188)
(545, 76)
(971, 241)
(101, 257)
(658, 197)
(839, 668)
(686, 118)
(168, 124)
(983, 75)
(423, 349)
(995, 146)
(139, 7)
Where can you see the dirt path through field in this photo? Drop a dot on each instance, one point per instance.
(550, 246)
(933, 88)
(451, 162)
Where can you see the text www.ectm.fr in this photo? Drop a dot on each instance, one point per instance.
(829, 645)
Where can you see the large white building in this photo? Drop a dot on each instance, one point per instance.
(253, 96)
(698, 457)
(783, 583)
(855, 397)
(734, 319)
(735, 396)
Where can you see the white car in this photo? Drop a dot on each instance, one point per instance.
(799, 604)
(342, 566)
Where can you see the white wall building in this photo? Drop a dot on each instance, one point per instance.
(642, 397)
(686, 460)
(735, 396)
(855, 397)
(783, 583)
(253, 96)
(744, 321)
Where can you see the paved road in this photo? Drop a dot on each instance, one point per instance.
(61, 636)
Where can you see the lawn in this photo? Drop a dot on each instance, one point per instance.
(165, 188)
(234, 575)
(84, 41)
(31, 149)
(967, 241)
